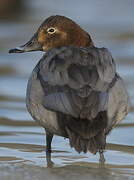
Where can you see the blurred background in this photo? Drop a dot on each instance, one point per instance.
(22, 141)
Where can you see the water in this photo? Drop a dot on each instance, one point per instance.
(22, 141)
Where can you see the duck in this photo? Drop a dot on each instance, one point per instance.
(74, 91)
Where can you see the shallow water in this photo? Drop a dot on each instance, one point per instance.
(22, 141)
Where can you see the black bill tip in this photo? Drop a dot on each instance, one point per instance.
(16, 50)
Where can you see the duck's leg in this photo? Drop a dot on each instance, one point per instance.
(101, 143)
(49, 138)
(102, 158)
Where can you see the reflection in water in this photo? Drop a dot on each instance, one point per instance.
(22, 141)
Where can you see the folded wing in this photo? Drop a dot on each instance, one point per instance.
(76, 80)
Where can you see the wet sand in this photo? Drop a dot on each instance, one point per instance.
(71, 172)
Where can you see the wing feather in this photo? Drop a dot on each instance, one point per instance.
(78, 80)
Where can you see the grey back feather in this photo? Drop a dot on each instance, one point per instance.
(76, 80)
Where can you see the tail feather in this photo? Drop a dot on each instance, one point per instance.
(85, 136)
(92, 145)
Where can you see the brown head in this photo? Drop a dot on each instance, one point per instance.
(56, 31)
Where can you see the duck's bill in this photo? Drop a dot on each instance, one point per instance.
(32, 45)
(17, 50)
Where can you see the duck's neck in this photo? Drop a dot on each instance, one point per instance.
(82, 39)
